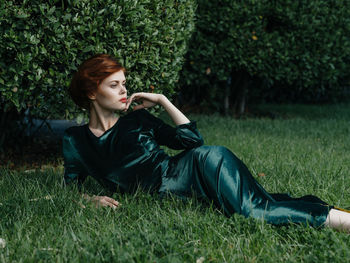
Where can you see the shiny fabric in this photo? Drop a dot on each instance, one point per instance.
(128, 156)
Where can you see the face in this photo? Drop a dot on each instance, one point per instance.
(110, 92)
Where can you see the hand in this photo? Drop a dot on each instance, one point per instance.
(103, 201)
(148, 100)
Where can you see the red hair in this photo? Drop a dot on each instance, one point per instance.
(90, 74)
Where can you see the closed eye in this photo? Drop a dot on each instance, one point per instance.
(116, 84)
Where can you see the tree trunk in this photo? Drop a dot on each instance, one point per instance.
(240, 109)
(240, 90)
(227, 95)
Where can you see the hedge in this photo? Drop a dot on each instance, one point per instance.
(300, 45)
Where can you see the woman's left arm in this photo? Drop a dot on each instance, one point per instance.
(184, 136)
(177, 116)
(151, 99)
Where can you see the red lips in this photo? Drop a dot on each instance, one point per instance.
(123, 100)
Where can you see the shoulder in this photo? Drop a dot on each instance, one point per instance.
(73, 132)
(144, 118)
(139, 114)
(73, 139)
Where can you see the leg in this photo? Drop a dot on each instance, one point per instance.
(215, 173)
(338, 219)
(240, 192)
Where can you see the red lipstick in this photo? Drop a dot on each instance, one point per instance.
(123, 100)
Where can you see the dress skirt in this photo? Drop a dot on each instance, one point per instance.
(215, 173)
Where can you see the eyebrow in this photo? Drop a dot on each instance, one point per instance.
(117, 81)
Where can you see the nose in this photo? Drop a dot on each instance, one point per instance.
(124, 89)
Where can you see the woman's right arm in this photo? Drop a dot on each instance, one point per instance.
(74, 172)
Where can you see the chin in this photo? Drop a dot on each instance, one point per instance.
(121, 109)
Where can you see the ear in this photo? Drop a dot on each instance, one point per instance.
(91, 96)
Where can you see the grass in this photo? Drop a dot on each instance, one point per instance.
(305, 150)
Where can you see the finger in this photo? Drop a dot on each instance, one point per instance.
(126, 108)
(130, 100)
(101, 201)
(128, 104)
(112, 201)
(105, 203)
(137, 95)
(116, 203)
(133, 95)
(108, 199)
(112, 205)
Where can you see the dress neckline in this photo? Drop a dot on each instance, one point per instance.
(98, 137)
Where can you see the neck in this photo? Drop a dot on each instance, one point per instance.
(102, 120)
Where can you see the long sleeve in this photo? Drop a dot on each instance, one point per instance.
(183, 136)
(73, 170)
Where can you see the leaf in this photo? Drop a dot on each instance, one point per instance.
(87, 49)
(22, 16)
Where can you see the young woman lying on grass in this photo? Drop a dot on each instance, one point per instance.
(122, 153)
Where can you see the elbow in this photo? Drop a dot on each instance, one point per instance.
(200, 142)
(196, 143)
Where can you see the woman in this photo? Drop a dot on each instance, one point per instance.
(122, 153)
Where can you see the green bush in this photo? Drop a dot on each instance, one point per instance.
(264, 45)
(43, 42)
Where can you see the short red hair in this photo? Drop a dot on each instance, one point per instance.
(89, 76)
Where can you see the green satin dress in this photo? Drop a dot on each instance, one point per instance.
(128, 156)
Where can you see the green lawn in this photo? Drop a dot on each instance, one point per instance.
(305, 150)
